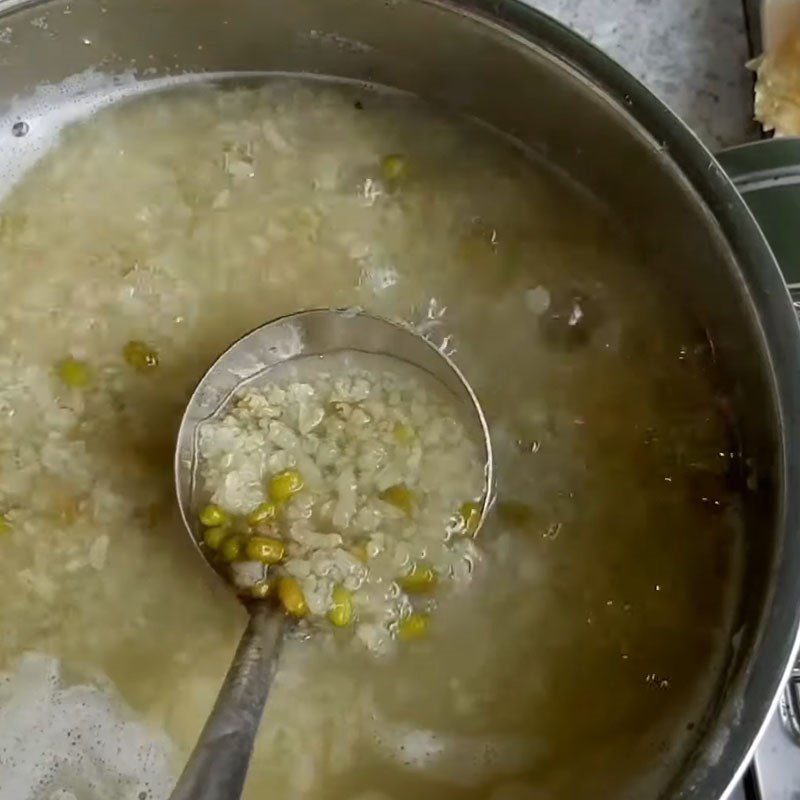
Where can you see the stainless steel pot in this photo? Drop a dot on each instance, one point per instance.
(532, 79)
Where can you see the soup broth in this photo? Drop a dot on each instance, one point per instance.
(576, 661)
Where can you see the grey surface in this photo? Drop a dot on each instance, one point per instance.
(691, 53)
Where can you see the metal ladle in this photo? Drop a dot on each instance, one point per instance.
(218, 765)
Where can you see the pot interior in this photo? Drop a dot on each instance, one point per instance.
(571, 204)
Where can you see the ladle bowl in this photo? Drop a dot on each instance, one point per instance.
(218, 765)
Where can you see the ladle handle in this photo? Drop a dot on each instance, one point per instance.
(217, 767)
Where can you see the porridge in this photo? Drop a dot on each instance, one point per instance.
(157, 232)
(347, 489)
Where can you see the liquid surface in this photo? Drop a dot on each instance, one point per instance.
(585, 648)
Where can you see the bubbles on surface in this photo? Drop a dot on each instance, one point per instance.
(20, 129)
(74, 740)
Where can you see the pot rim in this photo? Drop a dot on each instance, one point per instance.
(777, 324)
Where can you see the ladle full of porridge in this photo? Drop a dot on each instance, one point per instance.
(335, 468)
